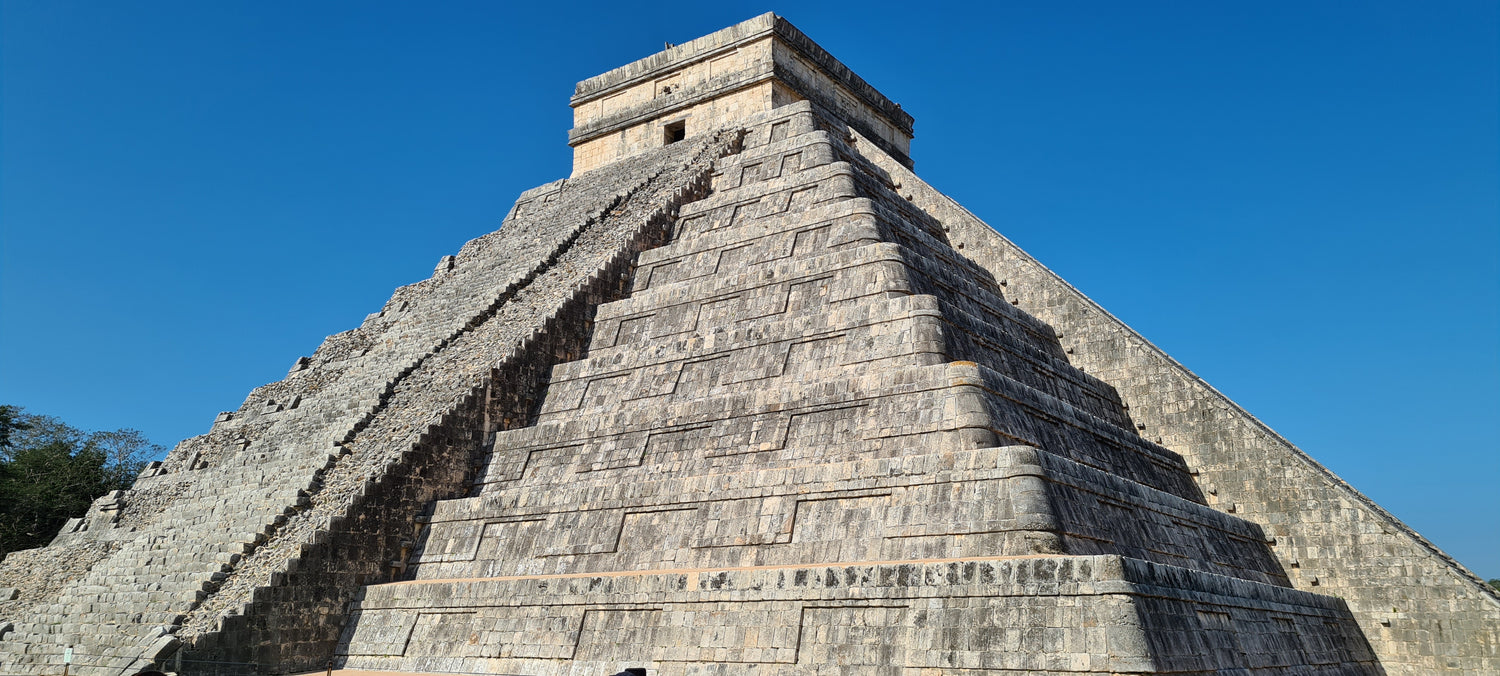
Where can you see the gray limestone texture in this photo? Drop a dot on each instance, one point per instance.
(755, 401)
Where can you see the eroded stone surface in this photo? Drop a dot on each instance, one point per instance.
(748, 399)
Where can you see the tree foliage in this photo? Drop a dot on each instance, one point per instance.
(51, 472)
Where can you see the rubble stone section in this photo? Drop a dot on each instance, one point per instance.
(809, 389)
(743, 395)
(1421, 610)
(331, 466)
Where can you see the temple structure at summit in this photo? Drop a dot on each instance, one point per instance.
(742, 395)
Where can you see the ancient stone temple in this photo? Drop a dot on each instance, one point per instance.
(743, 395)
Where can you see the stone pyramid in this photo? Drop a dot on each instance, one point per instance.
(741, 396)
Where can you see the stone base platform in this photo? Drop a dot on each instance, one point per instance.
(361, 672)
(1037, 614)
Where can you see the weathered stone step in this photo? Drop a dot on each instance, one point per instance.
(1095, 613)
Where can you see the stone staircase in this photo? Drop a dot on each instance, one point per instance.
(303, 454)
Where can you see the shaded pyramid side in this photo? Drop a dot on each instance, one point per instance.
(808, 396)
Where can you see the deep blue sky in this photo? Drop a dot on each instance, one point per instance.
(1297, 200)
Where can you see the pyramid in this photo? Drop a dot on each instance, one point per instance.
(742, 395)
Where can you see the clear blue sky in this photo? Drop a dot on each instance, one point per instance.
(1300, 201)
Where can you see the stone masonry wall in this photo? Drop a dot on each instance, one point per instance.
(1422, 611)
(780, 411)
(293, 622)
(387, 409)
(1041, 615)
(759, 399)
(720, 80)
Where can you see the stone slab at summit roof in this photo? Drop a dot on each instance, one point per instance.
(743, 395)
(718, 80)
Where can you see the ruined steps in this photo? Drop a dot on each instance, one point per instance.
(739, 396)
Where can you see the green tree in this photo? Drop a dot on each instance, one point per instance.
(10, 423)
(51, 471)
(1495, 582)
